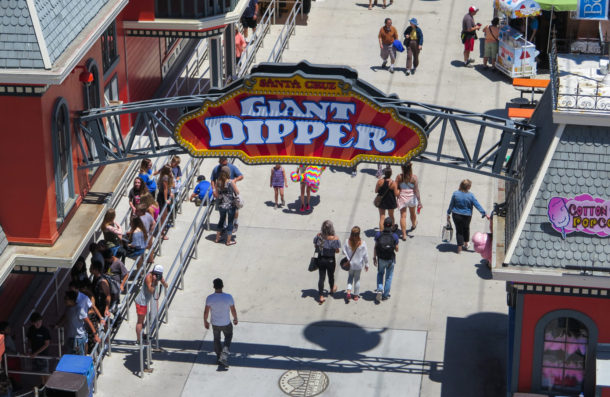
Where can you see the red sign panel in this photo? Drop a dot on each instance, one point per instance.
(299, 119)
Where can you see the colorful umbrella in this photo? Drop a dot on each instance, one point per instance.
(518, 8)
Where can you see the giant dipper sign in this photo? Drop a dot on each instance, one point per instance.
(299, 118)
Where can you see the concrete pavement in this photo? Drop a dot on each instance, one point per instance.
(443, 331)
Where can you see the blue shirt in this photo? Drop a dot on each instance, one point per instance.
(234, 172)
(149, 180)
(249, 11)
(203, 187)
(461, 204)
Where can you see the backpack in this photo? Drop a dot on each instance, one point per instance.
(115, 287)
(385, 246)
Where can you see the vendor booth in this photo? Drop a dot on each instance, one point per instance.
(516, 56)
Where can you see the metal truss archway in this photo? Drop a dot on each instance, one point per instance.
(470, 141)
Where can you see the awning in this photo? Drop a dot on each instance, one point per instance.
(558, 5)
(518, 8)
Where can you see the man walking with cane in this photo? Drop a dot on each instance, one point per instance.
(220, 303)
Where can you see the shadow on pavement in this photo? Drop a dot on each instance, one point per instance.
(294, 207)
(473, 363)
(475, 356)
(457, 64)
(483, 270)
(446, 247)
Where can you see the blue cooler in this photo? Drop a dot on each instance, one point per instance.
(82, 365)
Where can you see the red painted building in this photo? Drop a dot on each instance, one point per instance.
(56, 60)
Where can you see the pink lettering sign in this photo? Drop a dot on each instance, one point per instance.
(580, 214)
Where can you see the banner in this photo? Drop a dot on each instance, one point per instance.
(580, 214)
(592, 9)
(299, 119)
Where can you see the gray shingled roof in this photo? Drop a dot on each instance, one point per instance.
(580, 165)
(18, 44)
(60, 21)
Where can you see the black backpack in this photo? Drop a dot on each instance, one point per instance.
(115, 288)
(385, 245)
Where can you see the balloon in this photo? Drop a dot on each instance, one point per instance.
(482, 244)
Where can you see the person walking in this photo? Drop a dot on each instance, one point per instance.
(386, 246)
(234, 175)
(240, 45)
(408, 197)
(146, 294)
(327, 244)
(460, 208)
(249, 18)
(374, 2)
(356, 253)
(226, 191)
(387, 35)
(218, 305)
(414, 40)
(469, 32)
(278, 181)
(492, 32)
(386, 188)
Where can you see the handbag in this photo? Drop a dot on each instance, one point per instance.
(345, 263)
(447, 232)
(313, 264)
(377, 201)
(237, 201)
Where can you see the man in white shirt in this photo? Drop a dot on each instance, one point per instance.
(220, 304)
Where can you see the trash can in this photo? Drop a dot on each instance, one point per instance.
(82, 365)
(67, 384)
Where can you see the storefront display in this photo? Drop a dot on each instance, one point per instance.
(516, 56)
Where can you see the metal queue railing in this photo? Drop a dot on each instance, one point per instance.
(157, 313)
(287, 30)
(256, 41)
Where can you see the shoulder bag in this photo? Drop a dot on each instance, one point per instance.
(313, 262)
(377, 201)
(345, 263)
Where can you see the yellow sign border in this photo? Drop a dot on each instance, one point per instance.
(344, 89)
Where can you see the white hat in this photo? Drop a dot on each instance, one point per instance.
(158, 269)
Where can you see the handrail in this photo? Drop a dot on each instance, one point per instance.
(175, 275)
(287, 30)
(249, 53)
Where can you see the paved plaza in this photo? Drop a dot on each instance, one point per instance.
(442, 332)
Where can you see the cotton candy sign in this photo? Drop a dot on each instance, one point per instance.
(583, 213)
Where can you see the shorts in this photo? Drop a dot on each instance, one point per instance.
(469, 44)
(141, 309)
(491, 50)
(388, 50)
(77, 345)
(249, 22)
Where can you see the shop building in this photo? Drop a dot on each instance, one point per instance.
(58, 58)
(553, 245)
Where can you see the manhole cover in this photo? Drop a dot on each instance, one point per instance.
(303, 383)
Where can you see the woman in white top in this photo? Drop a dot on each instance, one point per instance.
(358, 257)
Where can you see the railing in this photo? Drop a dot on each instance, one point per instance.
(249, 54)
(287, 31)
(175, 275)
(578, 92)
(193, 9)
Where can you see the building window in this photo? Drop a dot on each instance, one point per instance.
(111, 98)
(564, 353)
(110, 52)
(92, 101)
(169, 42)
(64, 182)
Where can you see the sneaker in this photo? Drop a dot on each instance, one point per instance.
(384, 64)
(308, 207)
(356, 297)
(378, 297)
(413, 71)
(407, 72)
(275, 206)
(470, 60)
(385, 298)
(302, 208)
(392, 69)
(283, 203)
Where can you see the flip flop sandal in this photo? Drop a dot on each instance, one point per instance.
(232, 242)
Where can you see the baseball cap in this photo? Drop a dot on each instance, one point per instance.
(387, 222)
(473, 9)
(413, 21)
(158, 269)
